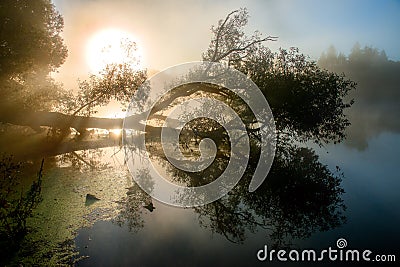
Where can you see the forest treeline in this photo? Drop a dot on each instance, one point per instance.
(376, 107)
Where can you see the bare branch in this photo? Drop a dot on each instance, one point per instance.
(221, 27)
(269, 38)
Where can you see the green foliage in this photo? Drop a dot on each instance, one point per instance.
(36, 92)
(30, 48)
(308, 102)
(30, 37)
(116, 82)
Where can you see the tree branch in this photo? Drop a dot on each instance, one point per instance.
(87, 104)
(219, 34)
(269, 38)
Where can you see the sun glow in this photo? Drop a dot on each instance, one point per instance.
(116, 115)
(116, 132)
(112, 46)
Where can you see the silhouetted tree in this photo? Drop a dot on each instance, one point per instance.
(300, 196)
(307, 102)
(30, 48)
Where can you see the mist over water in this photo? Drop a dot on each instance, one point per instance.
(375, 110)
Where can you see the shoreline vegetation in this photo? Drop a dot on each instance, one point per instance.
(65, 182)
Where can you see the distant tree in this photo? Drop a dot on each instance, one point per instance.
(360, 57)
(331, 58)
(376, 108)
(355, 52)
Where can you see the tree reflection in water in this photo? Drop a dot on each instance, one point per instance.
(131, 207)
(85, 160)
(299, 197)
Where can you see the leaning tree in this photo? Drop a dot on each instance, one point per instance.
(307, 103)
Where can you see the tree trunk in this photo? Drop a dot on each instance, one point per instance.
(57, 120)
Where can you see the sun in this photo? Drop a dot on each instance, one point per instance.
(110, 46)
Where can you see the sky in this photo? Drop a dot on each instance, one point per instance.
(176, 31)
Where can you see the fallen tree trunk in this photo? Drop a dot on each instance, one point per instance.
(57, 120)
(36, 119)
(64, 121)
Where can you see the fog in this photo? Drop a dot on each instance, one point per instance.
(376, 109)
(174, 32)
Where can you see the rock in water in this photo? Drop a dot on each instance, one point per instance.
(90, 199)
(149, 207)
